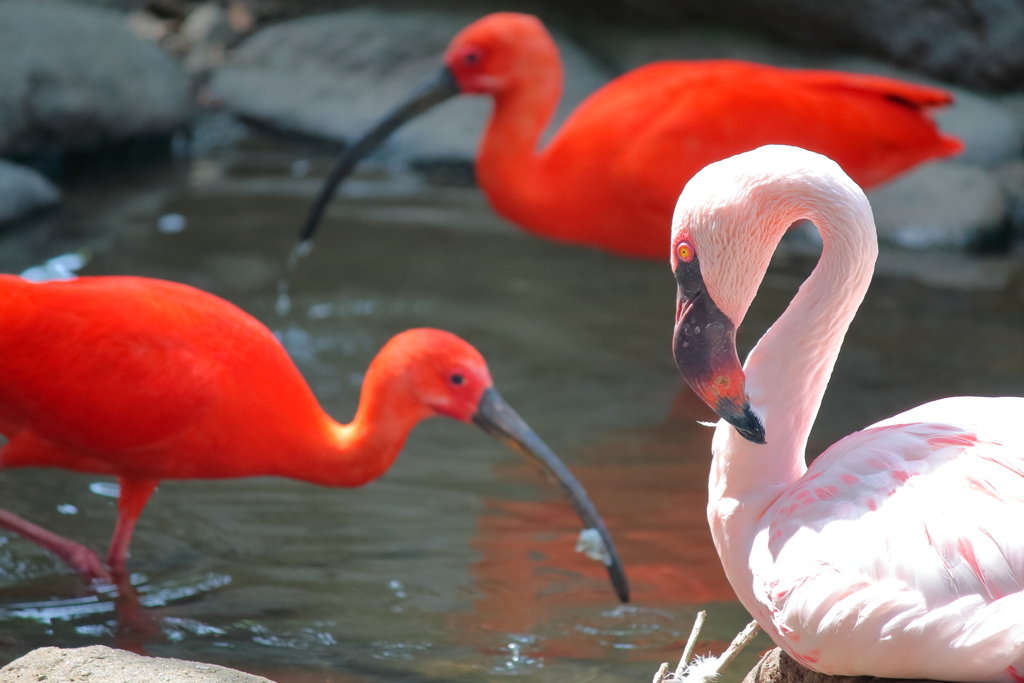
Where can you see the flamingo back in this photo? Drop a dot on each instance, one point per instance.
(899, 553)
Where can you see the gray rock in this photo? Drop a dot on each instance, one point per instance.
(333, 75)
(988, 129)
(1014, 104)
(976, 43)
(629, 49)
(778, 667)
(23, 191)
(101, 664)
(74, 76)
(944, 205)
(1011, 179)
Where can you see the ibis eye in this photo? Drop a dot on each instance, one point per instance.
(472, 57)
(457, 379)
(685, 252)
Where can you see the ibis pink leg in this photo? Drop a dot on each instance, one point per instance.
(135, 494)
(76, 555)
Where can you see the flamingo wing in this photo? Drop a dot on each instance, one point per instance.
(900, 550)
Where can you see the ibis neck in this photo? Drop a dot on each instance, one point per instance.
(509, 168)
(356, 453)
(788, 370)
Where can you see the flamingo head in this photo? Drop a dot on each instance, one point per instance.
(493, 53)
(427, 372)
(727, 222)
(724, 231)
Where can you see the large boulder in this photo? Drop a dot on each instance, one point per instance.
(74, 77)
(946, 205)
(23, 191)
(101, 664)
(976, 43)
(331, 76)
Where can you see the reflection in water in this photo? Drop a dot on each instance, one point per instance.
(531, 582)
(459, 563)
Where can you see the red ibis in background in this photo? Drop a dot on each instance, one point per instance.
(146, 380)
(611, 174)
(898, 552)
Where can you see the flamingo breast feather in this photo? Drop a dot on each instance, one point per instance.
(900, 552)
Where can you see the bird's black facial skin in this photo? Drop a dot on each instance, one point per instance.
(688, 278)
(704, 346)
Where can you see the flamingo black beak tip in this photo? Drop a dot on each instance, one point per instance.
(748, 425)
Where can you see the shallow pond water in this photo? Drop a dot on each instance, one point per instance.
(459, 563)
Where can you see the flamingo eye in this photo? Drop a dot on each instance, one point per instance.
(457, 379)
(685, 252)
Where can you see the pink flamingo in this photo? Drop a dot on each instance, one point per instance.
(899, 551)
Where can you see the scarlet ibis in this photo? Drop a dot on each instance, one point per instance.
(611, 174)
(898, 552)
(146, 380)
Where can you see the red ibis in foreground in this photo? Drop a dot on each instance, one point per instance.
(146, 380)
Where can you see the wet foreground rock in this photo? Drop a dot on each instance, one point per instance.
(74, 77)
(778, 667)
(101, 664)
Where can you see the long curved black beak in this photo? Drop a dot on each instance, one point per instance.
(439, 88)
(496, 417)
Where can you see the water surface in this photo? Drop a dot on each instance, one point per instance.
(459, 563)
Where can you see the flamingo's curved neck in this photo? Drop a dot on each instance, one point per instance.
(789, 368)
(509, 167)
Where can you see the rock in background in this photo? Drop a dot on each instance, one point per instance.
(74, 77)
(23, 191)
(329, 74)
(976, 43)
(332, 75)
